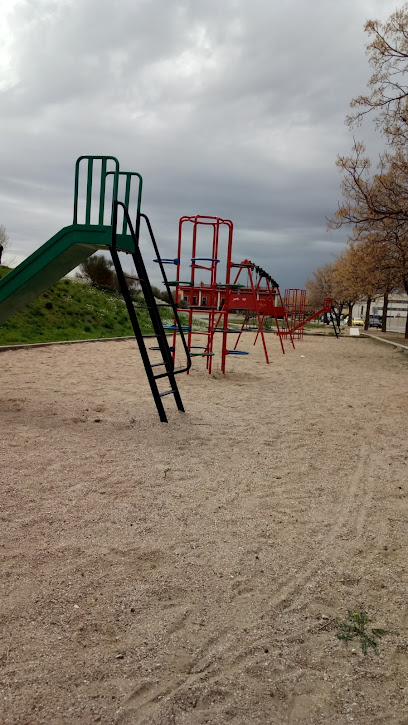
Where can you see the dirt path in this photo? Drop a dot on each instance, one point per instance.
(192, 573)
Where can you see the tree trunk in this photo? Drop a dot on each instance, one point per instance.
(350, 313)
(367, 315)
(384, 315)
(337, 310)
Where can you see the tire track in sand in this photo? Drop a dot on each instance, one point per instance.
(352, 512)
(206, 666)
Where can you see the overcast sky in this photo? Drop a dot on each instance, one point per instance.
(231, 108)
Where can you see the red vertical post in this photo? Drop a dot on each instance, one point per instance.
(288, 328)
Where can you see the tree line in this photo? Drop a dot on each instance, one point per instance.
(374, 207)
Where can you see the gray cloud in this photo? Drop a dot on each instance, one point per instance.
(233, 109)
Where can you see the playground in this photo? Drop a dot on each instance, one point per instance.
(107, 216)
(193, 572)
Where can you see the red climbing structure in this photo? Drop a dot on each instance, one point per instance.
(211, 245)
(246, 288)
(295, 306)
(328, 309)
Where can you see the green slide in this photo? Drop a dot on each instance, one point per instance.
(72, 244)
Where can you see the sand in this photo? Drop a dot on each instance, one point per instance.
(193, 572)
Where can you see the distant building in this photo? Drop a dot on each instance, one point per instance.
(396, 313)
(203, 295)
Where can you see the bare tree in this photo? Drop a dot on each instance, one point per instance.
(376, 207)
(4, 237)
(4, 240)
(388, 89)
(375, 202)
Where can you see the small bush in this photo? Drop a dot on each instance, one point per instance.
(99, 272)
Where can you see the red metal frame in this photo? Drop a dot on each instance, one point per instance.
(295, 305)
(327, 307)
(216, 299)
(254, 297)
(204, 298)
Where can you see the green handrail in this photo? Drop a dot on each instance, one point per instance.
(104, 174)
(89, 192)
(128, 175)
(102, 192)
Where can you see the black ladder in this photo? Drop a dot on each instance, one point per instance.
(166, 352)
(333, 320)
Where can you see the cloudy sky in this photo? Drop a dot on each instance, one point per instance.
(231, 108)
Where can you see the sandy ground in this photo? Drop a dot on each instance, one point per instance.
(193, 572)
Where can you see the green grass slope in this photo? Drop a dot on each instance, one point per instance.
(73, 310)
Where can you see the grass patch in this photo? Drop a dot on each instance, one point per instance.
(316, 325)
(73, 310)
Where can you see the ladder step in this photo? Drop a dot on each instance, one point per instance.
(161, 375)
(157, 365)
(167, 392)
